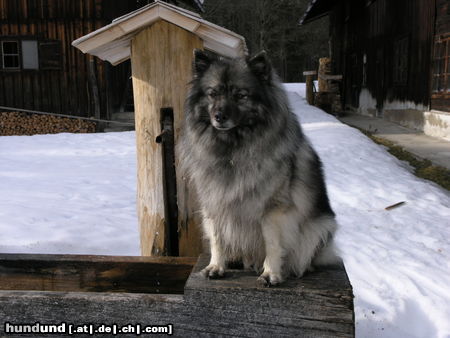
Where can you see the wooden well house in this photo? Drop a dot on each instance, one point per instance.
(96, 293)
(160, 39)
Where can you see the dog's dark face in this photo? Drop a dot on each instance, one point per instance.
(230, 93)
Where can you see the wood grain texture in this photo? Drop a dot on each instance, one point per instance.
(161, 68)
(63, 90)
(94, 273)
(318, 305)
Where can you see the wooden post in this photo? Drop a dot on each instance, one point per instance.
(94, 87)
(310, 86)
(109, 90)
(161, 59)
(324, 69)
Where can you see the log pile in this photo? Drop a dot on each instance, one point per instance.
(329, 97)
(15, 123)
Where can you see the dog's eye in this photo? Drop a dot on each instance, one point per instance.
(212, 93)
(241, 96)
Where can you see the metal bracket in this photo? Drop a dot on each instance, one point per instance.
(167, 139)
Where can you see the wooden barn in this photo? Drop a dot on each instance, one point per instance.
(39, 68)
(394, 57)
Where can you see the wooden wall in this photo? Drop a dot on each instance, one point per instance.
(441, 100)
(367, 37)
(442, 17)
(64, 90)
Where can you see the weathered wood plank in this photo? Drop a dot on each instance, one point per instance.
(321, 301)
(121, 309)
(318, 305)
(94, 273)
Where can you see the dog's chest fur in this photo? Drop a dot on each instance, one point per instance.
(240, 184)
(236, 196)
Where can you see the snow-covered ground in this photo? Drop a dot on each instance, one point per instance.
(73, 193)
(68, 193)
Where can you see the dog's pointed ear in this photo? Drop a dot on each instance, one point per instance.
(260, 66)
(202, 61)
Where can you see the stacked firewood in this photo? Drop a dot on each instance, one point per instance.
(15, 123)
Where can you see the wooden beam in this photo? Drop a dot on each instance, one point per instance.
(310, 72)
(330, 77)
(162, 57)
(94, 273)
(318, 305)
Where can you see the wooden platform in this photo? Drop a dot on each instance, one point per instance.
(318, 305)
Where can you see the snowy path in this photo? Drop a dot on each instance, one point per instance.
(72, 193)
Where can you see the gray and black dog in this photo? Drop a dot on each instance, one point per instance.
(259, 182)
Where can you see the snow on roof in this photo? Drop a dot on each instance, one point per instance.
(112, 42)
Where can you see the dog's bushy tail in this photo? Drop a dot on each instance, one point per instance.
(328, 255)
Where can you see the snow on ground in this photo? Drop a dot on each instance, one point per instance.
(68, 193)
(73, 193)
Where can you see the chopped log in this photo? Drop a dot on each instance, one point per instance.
(19, 123)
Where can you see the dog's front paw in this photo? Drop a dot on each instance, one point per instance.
(213, 271)
(269, 279)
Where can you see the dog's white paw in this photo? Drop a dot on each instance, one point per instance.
(269, 279)
(213, 271)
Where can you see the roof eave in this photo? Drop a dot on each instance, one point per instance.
(112, 42)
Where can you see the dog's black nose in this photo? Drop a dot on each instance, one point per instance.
(220, 117)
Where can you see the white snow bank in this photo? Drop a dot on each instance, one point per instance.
(75, 193)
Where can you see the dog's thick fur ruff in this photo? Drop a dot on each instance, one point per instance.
(259, 182)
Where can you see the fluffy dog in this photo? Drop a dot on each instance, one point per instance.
(259, 182)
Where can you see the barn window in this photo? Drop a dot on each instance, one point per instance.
(50, 54)
(441, 65)
(10, 55)
(400, 74)
(30, 57)
(30, 54)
